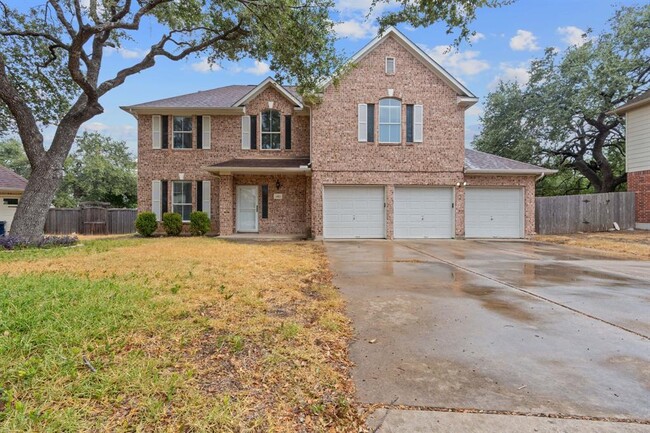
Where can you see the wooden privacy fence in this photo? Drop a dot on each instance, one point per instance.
(90, 221)
(584, 213)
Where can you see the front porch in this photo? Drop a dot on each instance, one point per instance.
(264, 198)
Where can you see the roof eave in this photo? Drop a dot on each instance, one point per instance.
(257, 170)
(11, 190)
(135, 110)
(630, 106)
(524, 171)
(465, 101)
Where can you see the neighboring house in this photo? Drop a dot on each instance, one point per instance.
(11, 189)
(380, 156)
(637, 154)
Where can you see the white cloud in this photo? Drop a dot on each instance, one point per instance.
(458, 62)
(474, 111)
(355, 29)
(95, 126)
(204, 66)
(476, 37)
(260, 68)
(127, 53)
(508, 73)
(573, 35)
(524, 41)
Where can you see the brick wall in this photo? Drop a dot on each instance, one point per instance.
(639, 183)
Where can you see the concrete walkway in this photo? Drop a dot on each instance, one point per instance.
(497, 326)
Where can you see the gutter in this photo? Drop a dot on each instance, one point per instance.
(303, 169)
(625, 108)
(526, 171)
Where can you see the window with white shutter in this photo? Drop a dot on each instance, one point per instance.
(156, 203)
(418, 123)
(206, 197)
(362, 122)
(246, 132)
(156, 136)
(207, 132)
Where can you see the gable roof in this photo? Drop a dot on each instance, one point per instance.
(468, 97)
(10, 181)
(477, 162)
(637, 102)
(228, 97)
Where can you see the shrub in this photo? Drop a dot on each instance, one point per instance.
(15, 242)
(146, 224)
(199, 223)
(173, 223)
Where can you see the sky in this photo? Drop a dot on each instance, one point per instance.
(506, 40)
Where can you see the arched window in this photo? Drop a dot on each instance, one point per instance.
(390, 120)
(270, 129)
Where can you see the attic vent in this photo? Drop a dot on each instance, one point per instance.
(390, 65)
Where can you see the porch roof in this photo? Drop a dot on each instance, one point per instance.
(261, 166)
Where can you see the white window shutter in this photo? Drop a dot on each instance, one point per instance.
(206, 197)
(363, 122)
(418, 123)
(246, 132)
(156, 202)
(207, 132)
(156, 136)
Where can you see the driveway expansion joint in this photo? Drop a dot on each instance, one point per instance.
(528, 292)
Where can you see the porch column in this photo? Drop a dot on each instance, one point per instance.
(226, 197)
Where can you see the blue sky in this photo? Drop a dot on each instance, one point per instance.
(507, 39)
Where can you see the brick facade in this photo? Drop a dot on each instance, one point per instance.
(337, 157)
(639, 183)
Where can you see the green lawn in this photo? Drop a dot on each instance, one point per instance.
(186, 334)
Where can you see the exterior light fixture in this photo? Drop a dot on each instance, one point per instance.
(278, 184)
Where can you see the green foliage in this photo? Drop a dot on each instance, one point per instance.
(12, 156)
(101, 169)
(563, 118)
(172, 223)
(146, 223)
(199, 223)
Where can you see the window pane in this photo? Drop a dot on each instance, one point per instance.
(187, 192)
(275, 141)
(266, 141)
(395, 133)
(384, 133)
(394, 116)
(266, 121)
(383, 114)
(275, 121)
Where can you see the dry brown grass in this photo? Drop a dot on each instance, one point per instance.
(250, 337)
(631, 244)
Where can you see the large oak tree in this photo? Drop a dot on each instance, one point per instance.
(563, 116)
(52, 69)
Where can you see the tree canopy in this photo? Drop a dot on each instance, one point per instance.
(563, 117)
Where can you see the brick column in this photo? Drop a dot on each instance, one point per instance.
(226, 200)
(390, 194)
(459, 211)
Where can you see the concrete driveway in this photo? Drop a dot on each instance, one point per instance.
(497, 327)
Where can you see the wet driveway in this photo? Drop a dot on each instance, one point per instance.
(497, 326)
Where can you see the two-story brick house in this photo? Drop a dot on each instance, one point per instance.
(380, 156)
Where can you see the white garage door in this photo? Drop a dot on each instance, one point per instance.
(353, 212)
(423, 212)
(494, 213)
(8, 205)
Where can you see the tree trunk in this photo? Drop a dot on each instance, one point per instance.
(29, 221)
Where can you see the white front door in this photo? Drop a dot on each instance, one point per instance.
(422, 212)
(353, 212)
(247, 208)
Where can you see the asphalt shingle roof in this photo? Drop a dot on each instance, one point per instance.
(477, 160)
(11, 180)
(221, 97)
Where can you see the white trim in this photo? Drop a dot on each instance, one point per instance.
(642, 226)
(530, 171)
(362, 122)
(418, 123)
(237, 208)
(394, 65)
(466, 102)
(414, 49)
(246, 132)
(263, 85)
(398, 123)
(156, 132)
(207, 132)
(257, 170)
(185, 203)
(156, 199)
(206, 197)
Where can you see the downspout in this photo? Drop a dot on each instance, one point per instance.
(540, 177)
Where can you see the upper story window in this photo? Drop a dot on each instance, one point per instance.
(271, 129)
(182, 132)
(182, 199)
(390, 65)
(390, 120)
(11, 202)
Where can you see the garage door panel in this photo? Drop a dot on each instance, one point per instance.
(353, 212)
(423, 212)
(493, 212)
